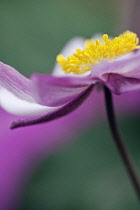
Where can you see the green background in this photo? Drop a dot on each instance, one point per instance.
(87, 174)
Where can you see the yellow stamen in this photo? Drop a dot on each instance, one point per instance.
(95, 51)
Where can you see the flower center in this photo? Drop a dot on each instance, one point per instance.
(96, 51)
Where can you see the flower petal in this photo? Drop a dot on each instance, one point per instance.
(57, 113)
(14, 105)
(120, 84)
(57, 91)
(120, 76)
(15, 82)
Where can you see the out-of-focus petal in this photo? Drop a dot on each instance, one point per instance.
(15, 82)
(26, 147)
(57, 91)
(58, 112)
(121, 75)
(22, 149)
(128, 104)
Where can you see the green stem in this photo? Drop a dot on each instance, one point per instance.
(119, 142)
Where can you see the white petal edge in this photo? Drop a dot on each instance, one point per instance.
(17, 106)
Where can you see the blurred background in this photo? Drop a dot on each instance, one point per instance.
(87, 174)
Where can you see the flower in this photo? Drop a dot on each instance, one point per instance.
(22, 149)
(114, 63)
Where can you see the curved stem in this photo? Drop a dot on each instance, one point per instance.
(119, 143)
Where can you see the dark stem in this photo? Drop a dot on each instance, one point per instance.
(118, 141)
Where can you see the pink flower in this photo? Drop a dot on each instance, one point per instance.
(21, 149)
(114, 63)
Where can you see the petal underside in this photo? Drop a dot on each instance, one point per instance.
(57, 113)
(122, 75)
(57, 91)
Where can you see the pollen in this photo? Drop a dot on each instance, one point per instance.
(97, 51)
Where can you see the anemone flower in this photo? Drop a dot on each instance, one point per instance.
(111, 62)
(114, 63)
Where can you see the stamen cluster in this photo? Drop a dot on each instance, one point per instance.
(96, 51)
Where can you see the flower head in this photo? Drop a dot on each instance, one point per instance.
(97, 51)
(114, 63)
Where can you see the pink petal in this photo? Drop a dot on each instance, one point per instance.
(58, 112)
(15, 82)
(57, 91)
(121, 75)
